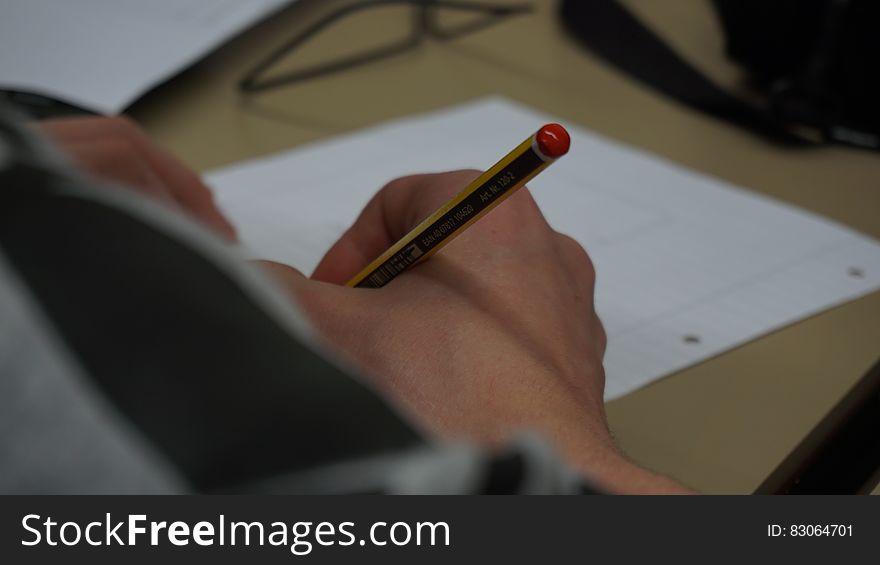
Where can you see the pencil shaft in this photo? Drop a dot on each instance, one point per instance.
(477, 199)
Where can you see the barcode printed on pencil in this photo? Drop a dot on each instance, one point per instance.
(393, 267)
(388, 271)
(379, 277)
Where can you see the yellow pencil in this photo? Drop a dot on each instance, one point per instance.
(487, 191)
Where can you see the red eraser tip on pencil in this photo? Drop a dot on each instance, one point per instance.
(553, 141)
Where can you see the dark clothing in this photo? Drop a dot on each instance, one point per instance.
(139, 354)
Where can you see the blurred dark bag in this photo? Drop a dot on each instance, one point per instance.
(816, 63)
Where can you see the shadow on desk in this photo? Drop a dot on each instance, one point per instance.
(841, 455)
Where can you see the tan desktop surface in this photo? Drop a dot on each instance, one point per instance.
(721, 426)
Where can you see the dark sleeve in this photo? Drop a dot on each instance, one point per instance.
(207, 362)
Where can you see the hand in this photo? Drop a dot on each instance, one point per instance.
(115, 149)
(496, 333)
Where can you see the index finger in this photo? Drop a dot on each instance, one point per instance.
(391, 213)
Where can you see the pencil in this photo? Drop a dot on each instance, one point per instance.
(479, 197)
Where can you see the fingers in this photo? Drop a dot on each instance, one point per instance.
(120, 163)
(180, 184)
(187, 188)
(344, 259)
(404, 203)
(389, 215)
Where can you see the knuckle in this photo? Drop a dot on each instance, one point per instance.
(526, 202)
(601, 337)
(523, 198)
(445, 184)
(577, 254)
(402, 183)
(521, 210)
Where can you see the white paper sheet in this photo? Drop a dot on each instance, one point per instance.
(688, 266)
(104, 54)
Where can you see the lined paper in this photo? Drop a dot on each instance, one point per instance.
(687, 266)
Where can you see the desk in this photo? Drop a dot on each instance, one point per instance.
(721, 426)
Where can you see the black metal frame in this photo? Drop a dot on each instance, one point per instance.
(424, 26)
